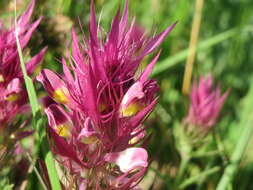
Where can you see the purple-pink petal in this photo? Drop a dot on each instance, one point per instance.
(129, 159)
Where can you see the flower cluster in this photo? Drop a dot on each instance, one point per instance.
(13, 97)
(96, 125)
(206, 104)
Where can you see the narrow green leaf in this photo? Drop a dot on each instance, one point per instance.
(32, 95)
(246, 123)
(35, 109)
(28, 81)
(52, 171)
(36, 171)
(203, 45)
(196, 178)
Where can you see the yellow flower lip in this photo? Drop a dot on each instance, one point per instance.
(1, 78)
(89, 140)
(133, 140)
(61, 95)
(63, 130)
(131, 109)
(101, 107)
(12, 97)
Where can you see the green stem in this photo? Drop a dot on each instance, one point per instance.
(28, 81)
(52, 173)
(202, 179)
(220, 146)
(197, 177)
(35, 109)
(182, 169)
(205, 154)
(237, 155)
(66, 4)
(36, 171)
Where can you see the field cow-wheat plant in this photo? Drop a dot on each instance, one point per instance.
(126, 95)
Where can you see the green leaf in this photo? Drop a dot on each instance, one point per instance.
(203, 45)
(246, 124)
(35, 110)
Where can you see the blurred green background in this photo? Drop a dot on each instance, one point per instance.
(224, 49)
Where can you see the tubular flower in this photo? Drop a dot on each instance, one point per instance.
(101, 104)
(13, 97)
(206, 104)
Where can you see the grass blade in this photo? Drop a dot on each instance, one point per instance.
(192, 46)
(35, 109)
(246, 124)
(181, 56)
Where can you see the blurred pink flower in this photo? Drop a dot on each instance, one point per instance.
(106, 103)
(13, 96)
(206, 103)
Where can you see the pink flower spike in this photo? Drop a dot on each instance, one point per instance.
(129, 159)
(106, 100)
(206, 103)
